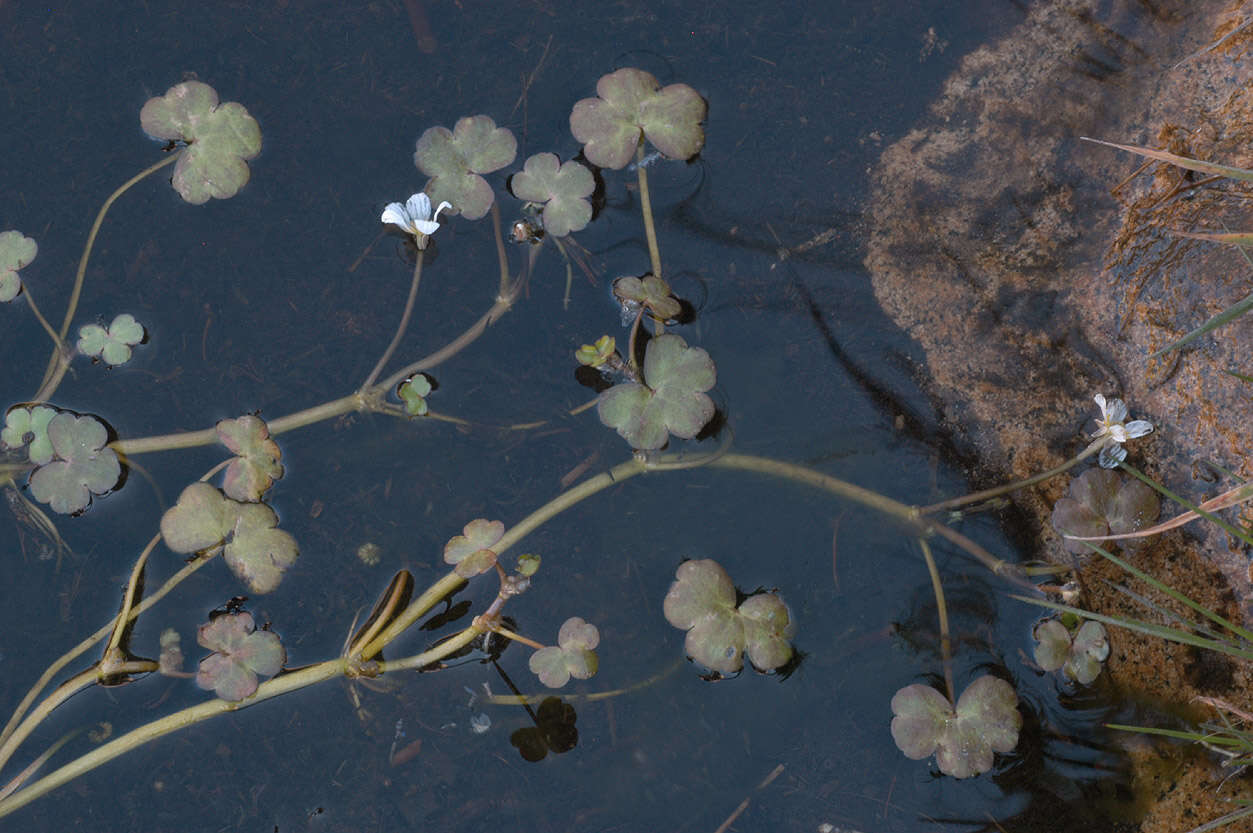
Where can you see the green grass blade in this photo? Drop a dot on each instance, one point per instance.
(1177, 596)
(1182, 161)
(1195, 737)
(1209, 516)
(1231, 313)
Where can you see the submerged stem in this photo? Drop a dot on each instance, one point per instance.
(404, 323)
(646, 208)
(59, 362)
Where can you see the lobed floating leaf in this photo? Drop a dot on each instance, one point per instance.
(16, 252)
(455, 159)
(240, 654)
(24, 425)
(1101, 502)
(112, 344)
(82, 466)
(220, 139)
(573, 656)
(964, 739)
(472, 551)
(672, 399)
(562, 188)
(651, 292)
(702, 602)
(630, 103)
(257, 465)
(255, 550)
(413, 392)
(1079, 656)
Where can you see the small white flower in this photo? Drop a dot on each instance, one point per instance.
(1113, 425)
(415, 216)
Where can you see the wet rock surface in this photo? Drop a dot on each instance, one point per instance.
(1036, 269)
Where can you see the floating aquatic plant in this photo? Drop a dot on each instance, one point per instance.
(671, 400)
(111, 344)
(415, 217)
(241, 654)
(595, 355)
(631, 104)
(82, 464)
(1079, 654)
(256, 466)
(220, 139)
(650, 292)
(702, 601)
(1100, 502)
(1111, 425)
(572, 656)
(16, 252)
(471, 551)
(255, 550)
(561, 188)
(963, 739)
(413, 392)
(23, 425)
(455, 160)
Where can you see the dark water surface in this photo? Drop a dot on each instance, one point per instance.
(284, 297)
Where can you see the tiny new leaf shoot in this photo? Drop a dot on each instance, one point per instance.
(220, 139)
(413, 392)
(595, 355)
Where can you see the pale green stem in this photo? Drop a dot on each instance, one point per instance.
(58, 344)
(7, 748)
(282, 684)
(988, 494)
(946, 645)
(59, 363)
(646, 208)
(404, 324)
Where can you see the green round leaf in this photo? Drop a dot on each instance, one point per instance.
(257, 465)
(24, 425)
(1052, 645)
(672, 400)
(240, 654)
(562, 189)
(258, 553)
(629, 104)
(220, 139)
(479, 534)
(16, 252)
(454, 159)
(964, 739)
(83, 465)
(201, 518)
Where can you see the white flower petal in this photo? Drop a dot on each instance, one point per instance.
(1138, 428)
(1099, 399)
(418, 207)
(395, 215)
(425, 226)
(1118, 433)
(1111, 456)
(442, 205)
(1117, 411)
